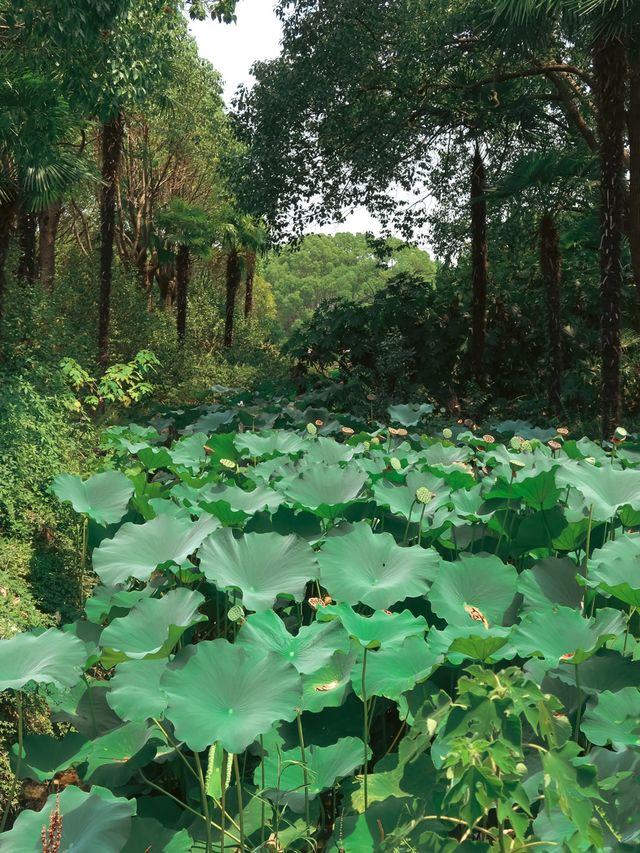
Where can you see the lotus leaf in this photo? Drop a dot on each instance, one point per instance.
(51, 657)
(378, 630)
(309, 650)
(614, 718)
(262, 566)
(152, 628)
(396, 669)
(615, 569)
(103, 497)
(604, 490)
(138, 549)
(134, 691)
(475, 588)
(564, 634)
(225, 693)
(324, 489)
(371, 568)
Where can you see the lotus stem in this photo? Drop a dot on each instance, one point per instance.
(83, 554)
(632, 610)
(424, 506)
(223, 777)
(588, 543)
(16, 778)
(576, 731)
(263, 815)
(240, 805)
(406, 530)
(305, 773)
(205, 803)
(366, 728)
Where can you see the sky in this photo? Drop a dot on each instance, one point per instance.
(233, 48)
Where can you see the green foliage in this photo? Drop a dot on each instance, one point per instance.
(344, 266)
(121, 384)
(242, 620)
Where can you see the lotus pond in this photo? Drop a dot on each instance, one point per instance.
(311, 632)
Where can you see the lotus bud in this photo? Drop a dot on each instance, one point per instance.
(312, 429)
(395, 463)
(424, 495)
(447, 433)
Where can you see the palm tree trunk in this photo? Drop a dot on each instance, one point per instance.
(248, 287)
(7, 212)
(27, 242)
(183, 271)
(479, 264)
(633, 125)
(112, 134)
(610, 69)
(551, 267)
(234, 277)
(48, 226)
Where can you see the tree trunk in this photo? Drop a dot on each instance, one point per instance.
(48, 225)
(112, 134)
(27, 242)
(479, 265)
(7, 212)
(166, 275)
(234, 276)
(610, 69)
(551, 268)
(183, 273)
(145, 270)
(633, 124)
(248, 287)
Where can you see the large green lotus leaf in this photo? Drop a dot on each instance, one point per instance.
(259, 444)
(445, 455)
(262, 566)
(324, 489)
(539, 491)
(239, 500)
(394, 670)
(211, 421)
(44, 756)
(131, 437)
(84, 707)
(150, 836)
(152, 628)
(401, 500)
(472, 588)
(138, 549)
(189, 452)
(380, 629)
(284, 774)
(471, 642)
(229, 694)
(134, 691)
(112, 758)
(51, 657)
(551, 582)
(564, 634)
(164, 506)
(615, 569)
(606, 670)
(614, 718)
(605, 489)
(103, 497)
(309, 650)
(328, 686)
(91, 821)
(327, 451)
(409, 414)
(105, 599)
(371, 568)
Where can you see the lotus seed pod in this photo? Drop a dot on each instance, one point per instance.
(424, 495)
(366, 445)
(447, 433)
(526, 447)
(517, 465)
(375, 440)
(620, 434)
(227, 463)
(395, 463)
(591, 460)
(516, 442)
(312, 429)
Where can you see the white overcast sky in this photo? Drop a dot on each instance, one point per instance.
(233, 48)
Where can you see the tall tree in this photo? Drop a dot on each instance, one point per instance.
(479, 263)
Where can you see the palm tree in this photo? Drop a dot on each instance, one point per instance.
(610, 26)
(255, 242)
(187, 231)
